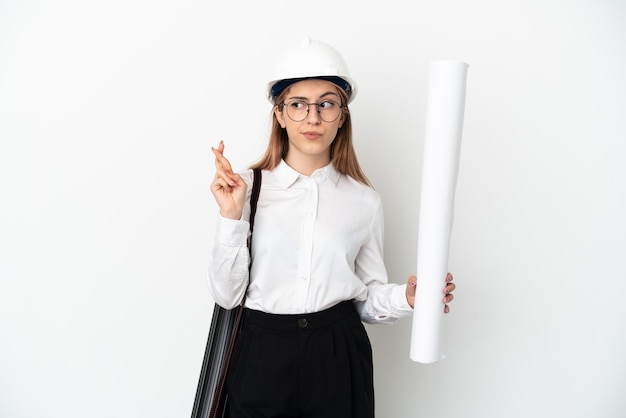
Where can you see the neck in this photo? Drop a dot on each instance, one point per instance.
(307, 166)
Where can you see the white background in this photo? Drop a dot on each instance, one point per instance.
(108, 111)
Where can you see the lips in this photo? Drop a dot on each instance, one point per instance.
(311, 135)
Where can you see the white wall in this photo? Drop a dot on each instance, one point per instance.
(107, 114)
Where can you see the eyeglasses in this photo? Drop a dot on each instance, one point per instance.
(298, 110)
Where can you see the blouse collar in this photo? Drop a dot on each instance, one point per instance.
(287, 176)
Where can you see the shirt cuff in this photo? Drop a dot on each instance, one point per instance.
(232, 232)
(398, 297)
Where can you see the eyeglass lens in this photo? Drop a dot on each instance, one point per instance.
(328, 111)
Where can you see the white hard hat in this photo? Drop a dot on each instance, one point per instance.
(311, 59)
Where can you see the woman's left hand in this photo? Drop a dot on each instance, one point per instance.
(411, 285)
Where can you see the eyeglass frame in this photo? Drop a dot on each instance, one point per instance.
(282, 105)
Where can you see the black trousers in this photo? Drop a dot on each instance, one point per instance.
(308, 366)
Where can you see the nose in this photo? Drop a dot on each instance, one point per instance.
(313, 116)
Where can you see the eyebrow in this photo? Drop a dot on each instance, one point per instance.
(330, 93)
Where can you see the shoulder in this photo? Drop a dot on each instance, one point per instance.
(247, 176)
(360, 193)
(357, 186)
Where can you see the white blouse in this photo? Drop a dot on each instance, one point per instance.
(317, 241)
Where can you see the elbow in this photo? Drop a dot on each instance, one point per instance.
(224, 294)
(225, 300)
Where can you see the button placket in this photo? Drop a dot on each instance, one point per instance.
(306, 244)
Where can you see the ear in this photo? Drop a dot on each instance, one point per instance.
(342, 119)
(279, 117)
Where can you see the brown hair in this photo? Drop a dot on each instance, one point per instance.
(342, 152)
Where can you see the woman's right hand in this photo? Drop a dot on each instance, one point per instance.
(228, 188)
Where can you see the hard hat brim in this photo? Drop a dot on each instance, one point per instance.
(274, 88)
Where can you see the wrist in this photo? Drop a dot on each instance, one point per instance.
(231, 214)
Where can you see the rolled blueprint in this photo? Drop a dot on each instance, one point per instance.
(442, 144)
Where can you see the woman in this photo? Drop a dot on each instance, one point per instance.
(317, 269)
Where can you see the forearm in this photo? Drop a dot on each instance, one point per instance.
(385, 304)
(229, 260)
